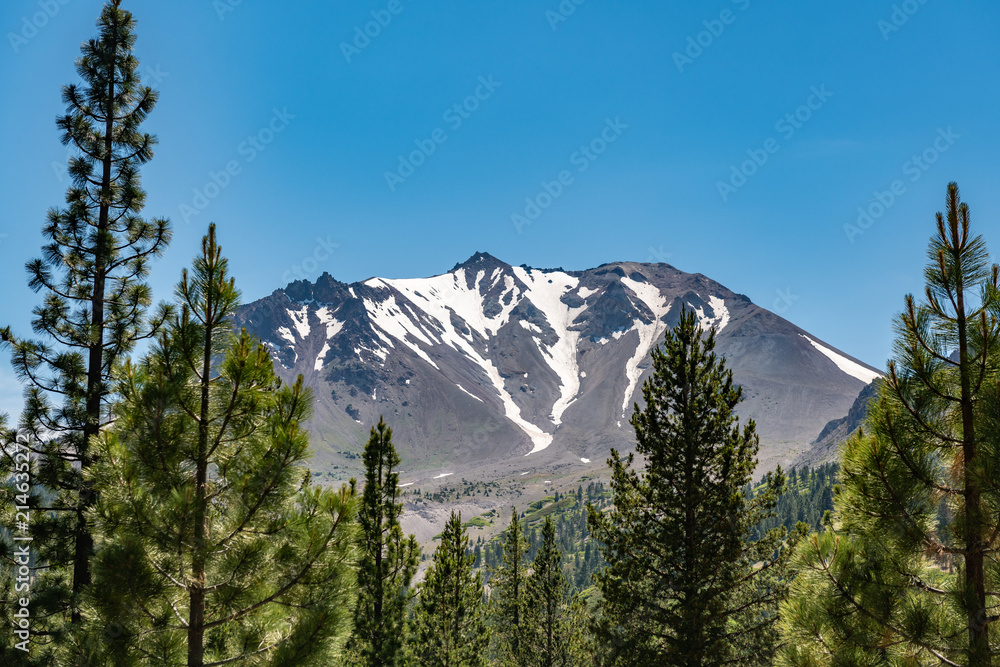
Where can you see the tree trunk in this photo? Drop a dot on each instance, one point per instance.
(975, 581)
(378, 623)
(196, 621)
(95, 363)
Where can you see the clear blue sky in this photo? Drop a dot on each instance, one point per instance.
(224, 67)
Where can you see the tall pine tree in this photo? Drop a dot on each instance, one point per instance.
(548, 635)
(685, 585)
(910, 575)
(388, 560)
(508, 597)
(220, 550)
(92, 274)
(450, 621)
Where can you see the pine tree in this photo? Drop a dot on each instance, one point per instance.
(508, 596)
(684, 584)
(450, 621)
(910, 573)
(220, 550)
(388, 560)
(548, 635)
(92, 274)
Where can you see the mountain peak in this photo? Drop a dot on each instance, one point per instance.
(480, 260)
(490, 362)
(324, 289)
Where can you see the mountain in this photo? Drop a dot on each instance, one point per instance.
(480, 366)
(825, 447)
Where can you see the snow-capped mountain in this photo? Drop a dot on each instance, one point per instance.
(491, 362)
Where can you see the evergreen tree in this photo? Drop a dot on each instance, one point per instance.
(685, 585)
(220, 550)
(508, 596)
(547, 633)
(92, 274)
(388, 560)
(910, 574)
(450, 622)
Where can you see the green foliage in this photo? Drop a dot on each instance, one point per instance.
(910, 576)
(581, 553)
(808, 499)
(388, 560)
(449, 626)
(685, 585)
(508, 597)
(93, 313)
(218, 548)
(548, 637)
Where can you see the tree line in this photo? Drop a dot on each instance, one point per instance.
(159, 509)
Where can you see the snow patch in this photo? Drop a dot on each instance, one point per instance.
(545, 291)
(407, 484)
(287, 334)
(333, 326)
(427, 306)
(300, 318)
(440, 296)
(444, 474)
(719, 320)
(584, 292)
(649, 334)
(387, 317)
(463, 389)
(852, 368)
(321, 356)
(378, 352)
(449, 293)
(721, 312)
(585, 460)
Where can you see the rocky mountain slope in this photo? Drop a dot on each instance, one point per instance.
(477, 368)
(826, 446)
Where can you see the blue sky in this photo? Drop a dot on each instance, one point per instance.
(642, 109)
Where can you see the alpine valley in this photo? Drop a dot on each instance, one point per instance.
(492, 371)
